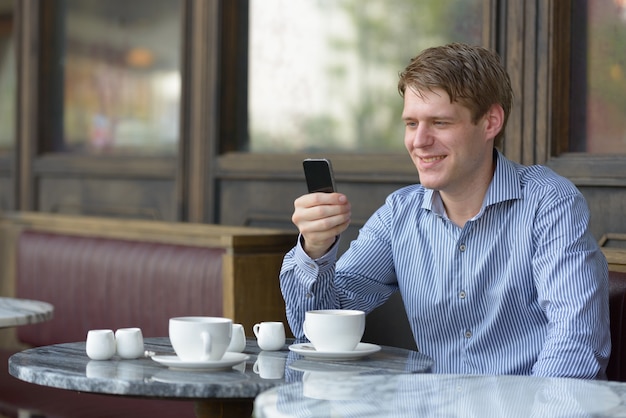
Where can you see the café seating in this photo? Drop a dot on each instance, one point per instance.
(103, 273)
(377, 329)
(616, 369)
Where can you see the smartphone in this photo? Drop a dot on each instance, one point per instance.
(319, 175)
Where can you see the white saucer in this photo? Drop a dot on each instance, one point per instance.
(307, 350)
(306, 365)
(228, 361)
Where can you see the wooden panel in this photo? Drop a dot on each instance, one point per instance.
(246, 296)
(591, 170)
(70, 165)
(200, 110)
(270, 203)
(8, 237)
(608, 209)
(530, 83)
(6, 193)
(514, 58)
(27, 18)
(258, 202)
(558, 57)
(532, 64)
(371, 168)
(237, 239)
(144, 199)
(614, 249)
(540, 140)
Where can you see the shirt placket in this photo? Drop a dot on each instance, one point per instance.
(462, 297)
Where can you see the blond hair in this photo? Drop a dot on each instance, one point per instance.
(473, 76)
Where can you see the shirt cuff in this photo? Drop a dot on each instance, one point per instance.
(315, 267)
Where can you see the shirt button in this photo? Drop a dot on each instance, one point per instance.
(462, 294)
(462, 247)
(468, 334)
(309, 295)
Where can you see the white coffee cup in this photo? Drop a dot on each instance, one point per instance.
(200, 338)
(270, 365)
(270, 335)
(237, 340)
(334, 330)
(129, 343)
(100, 344)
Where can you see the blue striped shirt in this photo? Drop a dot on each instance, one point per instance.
(522, 288)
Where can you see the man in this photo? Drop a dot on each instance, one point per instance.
(494, 261)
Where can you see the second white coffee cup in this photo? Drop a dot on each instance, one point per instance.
(200, 338)
(334, 330)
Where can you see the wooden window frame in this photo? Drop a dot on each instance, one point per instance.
(234, 163)
(583, 169)
(190, 168)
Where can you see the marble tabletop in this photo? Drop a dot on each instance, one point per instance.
(67, 366)
(15, 311)
(434, 395)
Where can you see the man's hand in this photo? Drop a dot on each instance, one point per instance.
(320, 218)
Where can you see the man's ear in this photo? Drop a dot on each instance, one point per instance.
(494, 121)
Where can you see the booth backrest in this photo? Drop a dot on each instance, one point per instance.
(616, 369)
(113, 273)
(108, 283)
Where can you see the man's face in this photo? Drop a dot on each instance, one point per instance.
(448, 150)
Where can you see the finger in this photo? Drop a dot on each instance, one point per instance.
(317, 199)
(327, 215)
(326, 225)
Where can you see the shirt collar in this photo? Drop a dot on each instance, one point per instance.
(505, 185)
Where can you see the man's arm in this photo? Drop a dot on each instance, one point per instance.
(572, 283)
(306, 284)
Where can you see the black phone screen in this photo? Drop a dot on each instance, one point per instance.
(319, 175)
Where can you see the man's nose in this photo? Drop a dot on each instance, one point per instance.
(422, 136)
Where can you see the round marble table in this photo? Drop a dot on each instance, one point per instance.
(216, 393)
(433, 395)
(15, 311)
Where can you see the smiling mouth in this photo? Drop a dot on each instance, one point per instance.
(432, 159)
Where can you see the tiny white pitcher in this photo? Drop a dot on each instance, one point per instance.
(270, 335)
(100, 344)
(129, 343)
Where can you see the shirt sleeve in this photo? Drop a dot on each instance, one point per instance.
(306, 284)
(363, 279)
(571, 275)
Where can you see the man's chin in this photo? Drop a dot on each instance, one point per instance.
(429, 183)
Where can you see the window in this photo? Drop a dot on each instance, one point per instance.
(323, 73)
(118, 84)
(598, 92)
